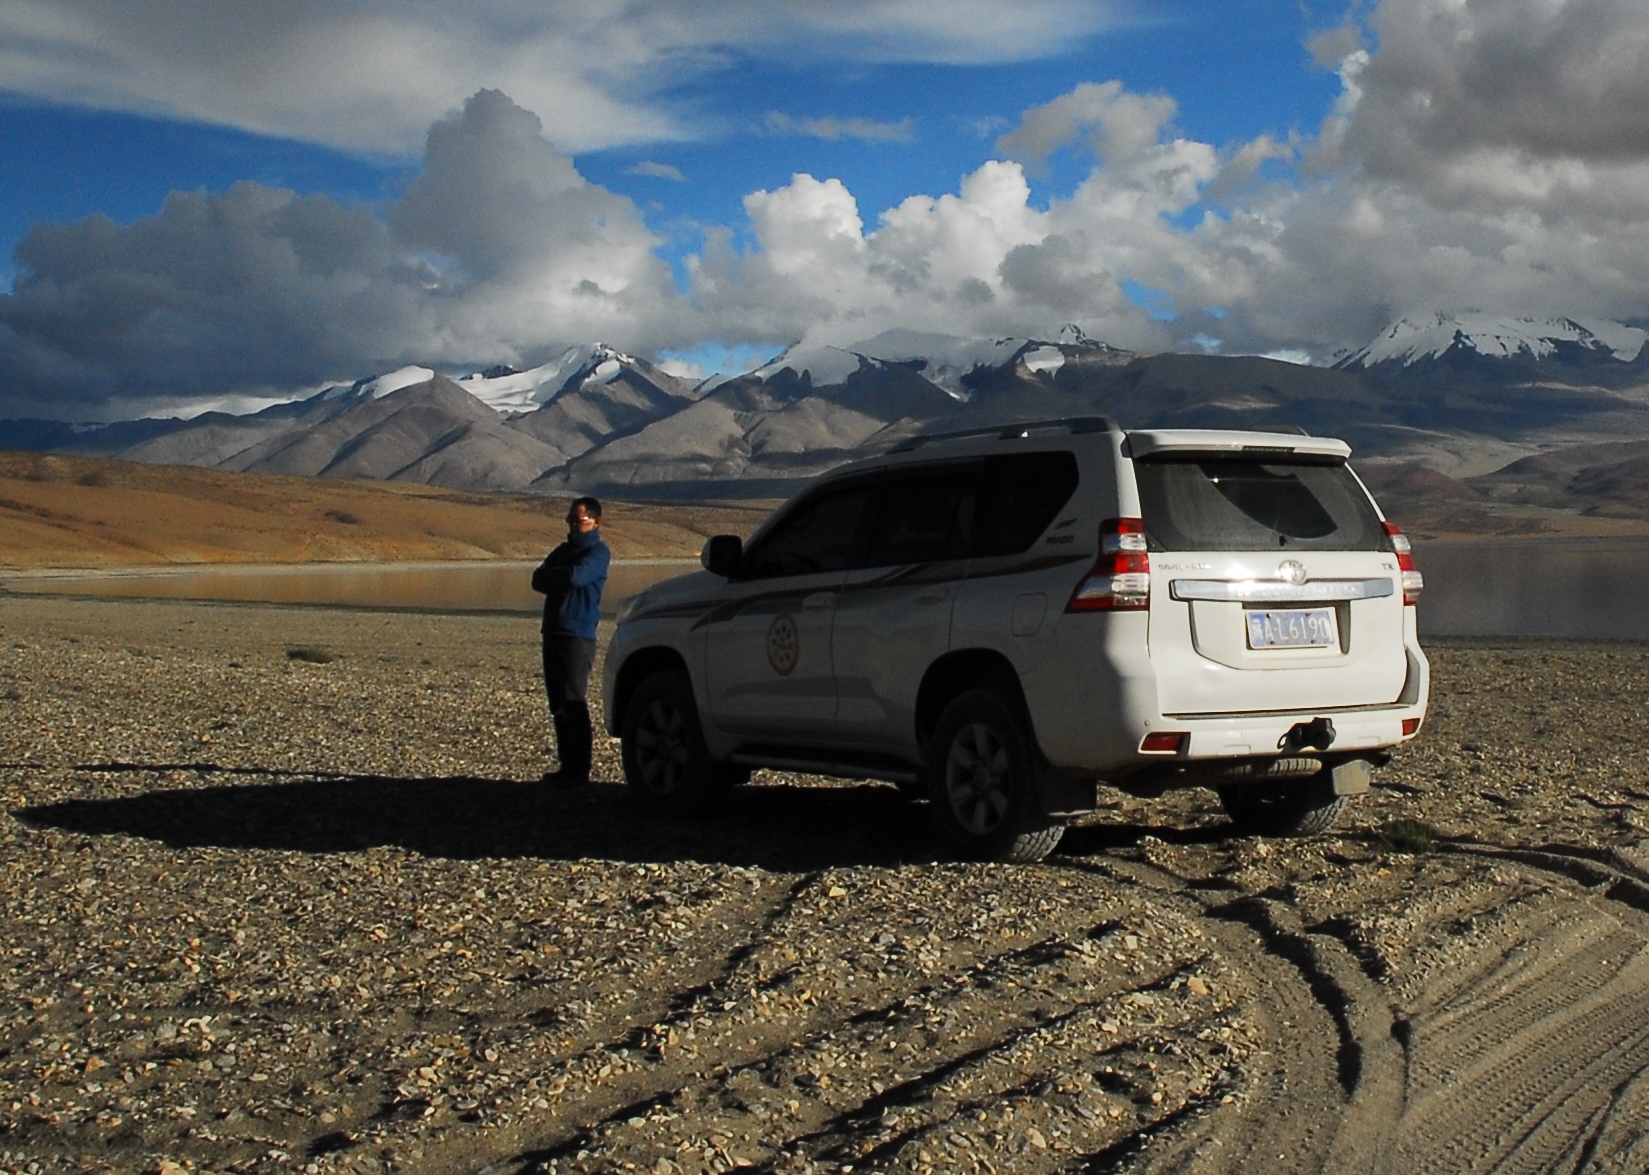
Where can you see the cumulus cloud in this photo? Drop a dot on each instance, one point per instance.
(1486, 155)
(372, 74)
(1529, 104)
(1481, 155)
(980, 261)
(497, 251)
(1471, 161)
(867, 129)
(1115, 124)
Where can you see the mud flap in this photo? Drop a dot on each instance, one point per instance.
(1352, 778)
(1062, 795)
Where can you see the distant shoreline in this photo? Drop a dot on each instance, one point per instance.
(313, 567)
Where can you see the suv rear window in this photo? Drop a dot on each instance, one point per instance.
(1201, 502)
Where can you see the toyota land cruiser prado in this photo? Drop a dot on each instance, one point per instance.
(1000, 620)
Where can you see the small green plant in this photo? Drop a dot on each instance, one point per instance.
(311, 656)
(1408, 836)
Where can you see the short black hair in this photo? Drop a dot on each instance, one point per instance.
(592, 506)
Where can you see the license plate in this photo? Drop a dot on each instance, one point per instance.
(1303, 628)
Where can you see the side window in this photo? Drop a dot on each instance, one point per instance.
(922, 520)
(1019, 498)
(818, 535)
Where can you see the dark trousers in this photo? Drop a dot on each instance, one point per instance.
(567, 661)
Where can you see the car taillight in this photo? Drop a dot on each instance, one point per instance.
(1163, 742)
(1120, 580)
(1413, 581)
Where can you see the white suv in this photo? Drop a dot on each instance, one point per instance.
(999, 620)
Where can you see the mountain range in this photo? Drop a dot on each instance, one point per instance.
(1461, 395)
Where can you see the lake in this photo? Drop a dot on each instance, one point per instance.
(1536, 587)
(435, 587)
(1525, 587)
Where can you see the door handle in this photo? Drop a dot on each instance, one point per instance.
(819, 600)
(932, 595)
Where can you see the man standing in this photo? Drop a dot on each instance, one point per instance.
(571, 578)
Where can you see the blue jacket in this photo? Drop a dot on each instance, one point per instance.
(571, 578)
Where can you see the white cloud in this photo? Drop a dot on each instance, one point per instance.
(1436, 182)
(1486, 155)
(662, 171)
(982, 261)
(257, 288)
(866, 129)
(1115, 124)
(373, 74)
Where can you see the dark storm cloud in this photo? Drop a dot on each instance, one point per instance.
(499, 242)
(1460, 96)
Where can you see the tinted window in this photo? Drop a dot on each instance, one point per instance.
(1245, 504)
(1019, 498)
(922, 520)
(820, 534)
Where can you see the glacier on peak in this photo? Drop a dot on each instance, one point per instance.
(523, 391)
(1411, 340)
(943, 360)
(380, 386)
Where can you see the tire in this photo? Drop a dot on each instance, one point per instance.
(981, 783)
(1295, 807)
(665, 761)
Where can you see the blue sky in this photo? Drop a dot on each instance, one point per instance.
(1236, 71)
(1276, 176)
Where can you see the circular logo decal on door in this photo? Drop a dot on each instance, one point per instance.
(784, 644)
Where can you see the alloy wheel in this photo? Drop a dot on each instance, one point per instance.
(662, 747)
(978, 779)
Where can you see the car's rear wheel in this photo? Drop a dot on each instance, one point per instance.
(1291, 807)
(981, 782)
(665, 760)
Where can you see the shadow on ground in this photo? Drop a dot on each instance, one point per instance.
(779, 827)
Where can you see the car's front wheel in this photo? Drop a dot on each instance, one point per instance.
(981, 783)
(665, 761)
(1293, 807)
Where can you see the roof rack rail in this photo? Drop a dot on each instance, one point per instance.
(1077, 425)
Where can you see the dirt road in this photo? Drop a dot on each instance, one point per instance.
(280, 895)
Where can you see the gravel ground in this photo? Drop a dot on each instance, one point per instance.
(282, 894)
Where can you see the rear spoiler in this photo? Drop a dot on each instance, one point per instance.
(1232, 444)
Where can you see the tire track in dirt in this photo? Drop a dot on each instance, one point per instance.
(644, 1023)
(1534, 1058)
(1525, 1067)
(1333, 1075)
(937, 1061)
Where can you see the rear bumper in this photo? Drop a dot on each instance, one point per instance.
(1236, 736)
(1092, 713)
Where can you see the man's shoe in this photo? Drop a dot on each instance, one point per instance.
(565, 779)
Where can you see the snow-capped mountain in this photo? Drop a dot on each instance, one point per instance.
(1443, 337)
(503, 389)
(955, 365)
(596, 419)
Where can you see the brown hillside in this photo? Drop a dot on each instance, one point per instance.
(60, 511)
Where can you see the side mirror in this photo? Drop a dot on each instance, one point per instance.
(723, 555)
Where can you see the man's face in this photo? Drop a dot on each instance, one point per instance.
(580, 522)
